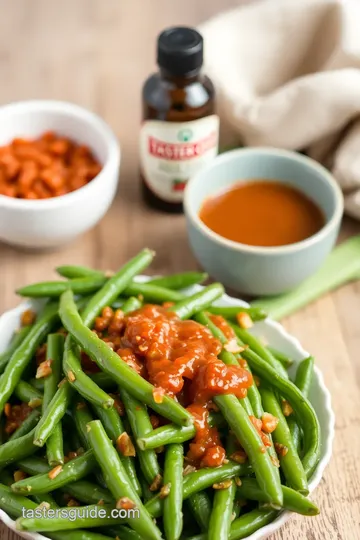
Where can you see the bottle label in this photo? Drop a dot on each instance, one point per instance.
(172, 152)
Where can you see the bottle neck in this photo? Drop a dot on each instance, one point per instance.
(177, 80)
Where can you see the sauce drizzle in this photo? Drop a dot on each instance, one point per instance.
(180, 358)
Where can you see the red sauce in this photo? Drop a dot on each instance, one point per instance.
(15, 415)
(222, 324)
(206, 449)
(262, 213)
(180, 358)
(174, 351)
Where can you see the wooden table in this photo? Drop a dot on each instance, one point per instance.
(97, 53)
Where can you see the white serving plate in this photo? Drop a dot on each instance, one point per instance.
(274, 334)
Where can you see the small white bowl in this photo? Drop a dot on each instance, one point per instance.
(274, 334)
(52, 222)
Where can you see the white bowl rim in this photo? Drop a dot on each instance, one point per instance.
(285, 515)
(93, 120)
(278, 250)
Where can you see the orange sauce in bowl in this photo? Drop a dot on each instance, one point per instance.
(262, 213)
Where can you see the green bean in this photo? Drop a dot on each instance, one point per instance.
(17, 448)
(54, 353)
(220, 520)
(28, 394)
(175, 281)
(246, 525)
(145, 488)
(27, 425)
(166, 435)
(111, 421)
(77, 271)
(293, 500)
(187, 308)
(82, 490)
(111, 363)
(255, 399)
(85, 386)
(113, 426)
(119, 302)
(304, 375)
(72, 471)
(88, 493)
(256, 314)
(290, 462)
(303, 381)
(237, 508)
(54, 289)
(302, 407)
(33, 465)
(237, 416)
(45, 498)
(131, 304)
(118, 481)
(53, 413)
(140, 426)
(259, 349)
(231, 447)
(82, 416)
(17, 339)
(231, 444)
(173, 478)
(200, 480)
(172, 433)
(283, 358)
(24, 353)
(38, 384)
(200, 506)
(115, 285)
(14, 504)
(244, 402)
(265, 471)
(180, 281)
(153, 293)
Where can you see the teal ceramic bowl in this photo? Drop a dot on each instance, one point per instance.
(262, 270)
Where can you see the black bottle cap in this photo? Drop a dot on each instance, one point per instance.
(180, 50)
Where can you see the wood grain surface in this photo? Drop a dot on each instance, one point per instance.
(97, 53)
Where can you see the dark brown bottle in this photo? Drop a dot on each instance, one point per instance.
(180, 131)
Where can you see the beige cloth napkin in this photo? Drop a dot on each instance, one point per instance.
(287, 74)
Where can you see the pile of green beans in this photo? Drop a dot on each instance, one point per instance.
(76, 446)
